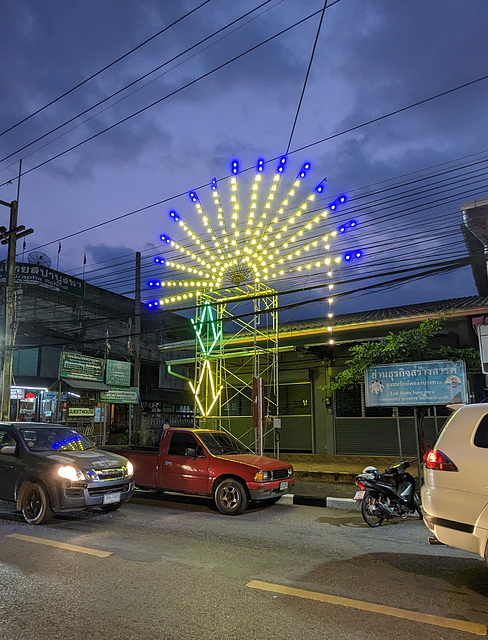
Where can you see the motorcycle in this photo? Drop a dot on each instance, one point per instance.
(387, 495)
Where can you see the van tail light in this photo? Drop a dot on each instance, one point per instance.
(435, 459)
(360, 485)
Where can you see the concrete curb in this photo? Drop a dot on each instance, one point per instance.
(312, 501)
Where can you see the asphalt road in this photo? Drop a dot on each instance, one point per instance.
(177, 569)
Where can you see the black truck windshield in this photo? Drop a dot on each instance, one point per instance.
(55, 439)
(220, 443)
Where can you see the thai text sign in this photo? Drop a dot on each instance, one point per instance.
(117, 373)
(416, 383)
(76, 365)
(44, 277)
(120, 396)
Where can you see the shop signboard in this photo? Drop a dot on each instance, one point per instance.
(121, 395)
(436, 382)
(80, 367)
(81, 413)
(26, 273)
(117, 373)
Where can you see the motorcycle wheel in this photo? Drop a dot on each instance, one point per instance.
(370, 510)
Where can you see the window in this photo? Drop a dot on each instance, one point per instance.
(180, 442)
(6, 439)
(481, 436)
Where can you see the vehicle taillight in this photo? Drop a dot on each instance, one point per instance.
(360, 485)
(435, 459)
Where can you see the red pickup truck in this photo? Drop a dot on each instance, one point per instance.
(210, 463)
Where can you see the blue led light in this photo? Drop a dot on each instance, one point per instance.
(159, 260)
(175, 216)
(333, 207)
(342, 229)
(235, 166)
(320, 187)
(353, 223)
(150, 305)
(193, 196)
(354, 254)
(164, 238)
(281, 164)
(213, 184)
(260, 165)
(342, 199)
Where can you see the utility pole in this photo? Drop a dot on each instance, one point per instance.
(9, 237)
(137, 340)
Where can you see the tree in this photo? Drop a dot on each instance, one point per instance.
(407, 346)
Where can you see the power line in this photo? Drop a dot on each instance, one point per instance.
(97, 73)
(137, 80)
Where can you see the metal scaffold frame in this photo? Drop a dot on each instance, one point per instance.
(245, 314)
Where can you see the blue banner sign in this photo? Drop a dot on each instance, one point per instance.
(433, 382)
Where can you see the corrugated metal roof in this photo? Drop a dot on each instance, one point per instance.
(468, 305)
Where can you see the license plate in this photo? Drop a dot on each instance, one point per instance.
(359, 495)
(283, 485)
(110, 498)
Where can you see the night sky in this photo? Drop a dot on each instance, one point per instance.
(393, 115)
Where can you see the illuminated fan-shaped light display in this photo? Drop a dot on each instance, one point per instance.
(277, 235)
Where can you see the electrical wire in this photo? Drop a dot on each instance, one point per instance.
(108, 66)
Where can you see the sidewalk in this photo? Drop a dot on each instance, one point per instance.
(328, 481)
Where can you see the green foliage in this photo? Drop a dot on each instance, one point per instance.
(412, 345)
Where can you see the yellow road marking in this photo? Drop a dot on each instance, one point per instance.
(447, 623)
(61, 545)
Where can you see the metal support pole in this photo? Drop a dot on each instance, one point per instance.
(419, 465)
(399, 434)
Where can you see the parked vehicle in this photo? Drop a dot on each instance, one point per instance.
(211, 463)
(455, 490)
(49, 468)
(387, 495)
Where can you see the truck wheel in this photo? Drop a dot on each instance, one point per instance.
(231, 497)
(111, 507)
(35, 504)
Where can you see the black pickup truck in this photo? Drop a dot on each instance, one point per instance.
(49, 468)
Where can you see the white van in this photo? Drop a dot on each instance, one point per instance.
(455, 490)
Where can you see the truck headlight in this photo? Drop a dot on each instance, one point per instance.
(71, 473)
(262, 476)
(290, 472)
(130, 468)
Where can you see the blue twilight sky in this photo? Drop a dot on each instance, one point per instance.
(103, 166)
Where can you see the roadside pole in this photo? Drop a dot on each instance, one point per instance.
(137, 344)
(10, 236)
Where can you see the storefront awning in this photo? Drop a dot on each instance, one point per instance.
(168, 396)
(72, 383)
(32, 382)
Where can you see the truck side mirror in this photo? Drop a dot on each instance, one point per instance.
(190, 453)
(8, 449)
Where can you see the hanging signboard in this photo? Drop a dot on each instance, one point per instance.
(117, 373)
(79, 413)
(436, 382)
(127, 395)
(76, 365)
